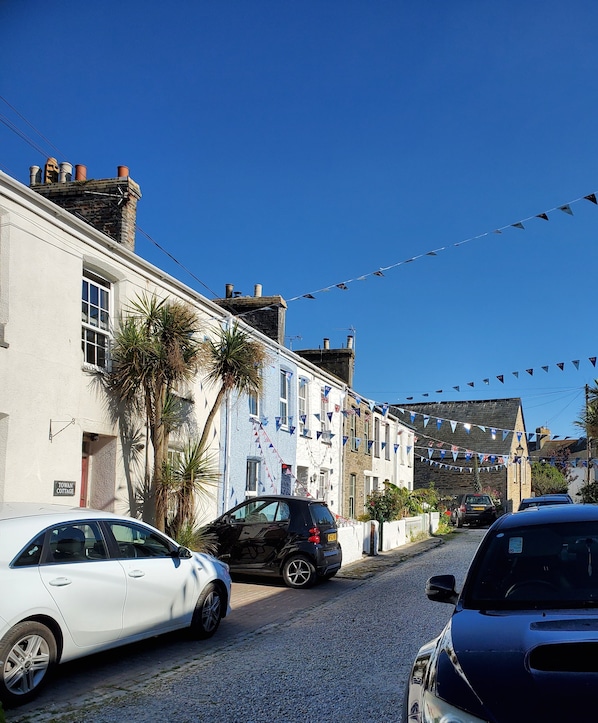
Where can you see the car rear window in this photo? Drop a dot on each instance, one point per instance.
(321, 515)
(478, 500)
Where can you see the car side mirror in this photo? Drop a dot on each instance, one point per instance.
(184, 553)
(441, 588)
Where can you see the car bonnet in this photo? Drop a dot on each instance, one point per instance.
(521, 666)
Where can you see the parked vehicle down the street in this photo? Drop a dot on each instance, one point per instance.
(522, 642)
(473, 508)
(541, 500)
(295, 538)
(75, 581)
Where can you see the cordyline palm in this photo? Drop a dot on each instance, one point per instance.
(588, 418)
(233, 361)
(192, 475)
(154, 350)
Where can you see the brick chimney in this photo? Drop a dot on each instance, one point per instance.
(340, 362)
(109, 205)
(265, 313)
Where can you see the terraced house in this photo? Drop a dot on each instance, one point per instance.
(69, 276)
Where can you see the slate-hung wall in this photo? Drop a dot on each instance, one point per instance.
(466, 428)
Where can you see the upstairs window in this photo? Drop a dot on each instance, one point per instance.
(303, 407)
(285, 395)
(95, 319)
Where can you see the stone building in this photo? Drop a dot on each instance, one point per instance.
(463, 446)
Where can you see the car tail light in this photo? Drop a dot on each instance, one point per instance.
(314, 535)
(463, 508)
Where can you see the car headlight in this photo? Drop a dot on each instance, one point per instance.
(436, 710)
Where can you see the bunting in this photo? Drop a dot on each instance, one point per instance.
(379, 273)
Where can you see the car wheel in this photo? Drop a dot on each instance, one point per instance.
(299, 572)
(459, 522)
(27, 655)
(208, 612)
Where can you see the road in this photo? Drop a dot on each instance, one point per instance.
(339, 651)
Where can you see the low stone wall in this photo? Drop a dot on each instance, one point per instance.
(359, 538)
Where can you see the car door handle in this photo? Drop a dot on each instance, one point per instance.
(136, 573)
(60, 581)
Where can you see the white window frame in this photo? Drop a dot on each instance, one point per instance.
(252, 477)
(96, 314)
(303, 406)
(285, 397)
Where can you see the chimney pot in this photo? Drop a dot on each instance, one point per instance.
(228, 293)
(349, 342)
(80, 173)
(257, 290)
(122, 171)
(65, 173)
(35, 175)
(326, 343)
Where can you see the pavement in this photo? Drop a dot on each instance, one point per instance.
(371, 564)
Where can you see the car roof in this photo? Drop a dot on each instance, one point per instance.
(547, 514)
(12, 510)
(555, 496)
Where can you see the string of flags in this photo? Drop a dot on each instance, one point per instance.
(344, 285)
(501, 377)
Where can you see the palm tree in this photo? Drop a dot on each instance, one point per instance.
(191, 475)
(154, 350)
(588, 418)
(234, 361)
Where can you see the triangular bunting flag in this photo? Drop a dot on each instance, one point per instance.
(545, 369)
(542, 215)
(530, 372)
(593, 361)
(518, 225)
(591, 197)
(566, 209)
(453, 425)
(501, 378)
(561, 365)
(516, 374)
(575, 363)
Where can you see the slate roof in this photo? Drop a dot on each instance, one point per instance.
(483, 416)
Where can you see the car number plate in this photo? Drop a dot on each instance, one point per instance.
(477, 508)
(332, 537)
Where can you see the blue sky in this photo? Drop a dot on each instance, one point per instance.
(303, 144)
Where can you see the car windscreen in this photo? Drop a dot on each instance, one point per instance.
(321, 515)
(536, 566)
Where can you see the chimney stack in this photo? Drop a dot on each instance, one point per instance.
(109, 205)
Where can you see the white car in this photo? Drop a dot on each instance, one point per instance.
(75, 581)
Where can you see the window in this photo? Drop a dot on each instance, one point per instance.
(136, 541)
(324, 418)
(353, 429)
(303, 409)
(76, 542)
(352, 490)
(387, 441)
(252, 477)
(376, 437)
(254, 405)
(366, 435)
(260, 511)
(285, 395)
(322, 484)
(95, 319)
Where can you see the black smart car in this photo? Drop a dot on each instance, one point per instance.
(291, 537)
(522, 642)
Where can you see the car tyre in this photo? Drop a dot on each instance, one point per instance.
(459, 521)
(209, 611)
(299, 572)
(28, 653)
